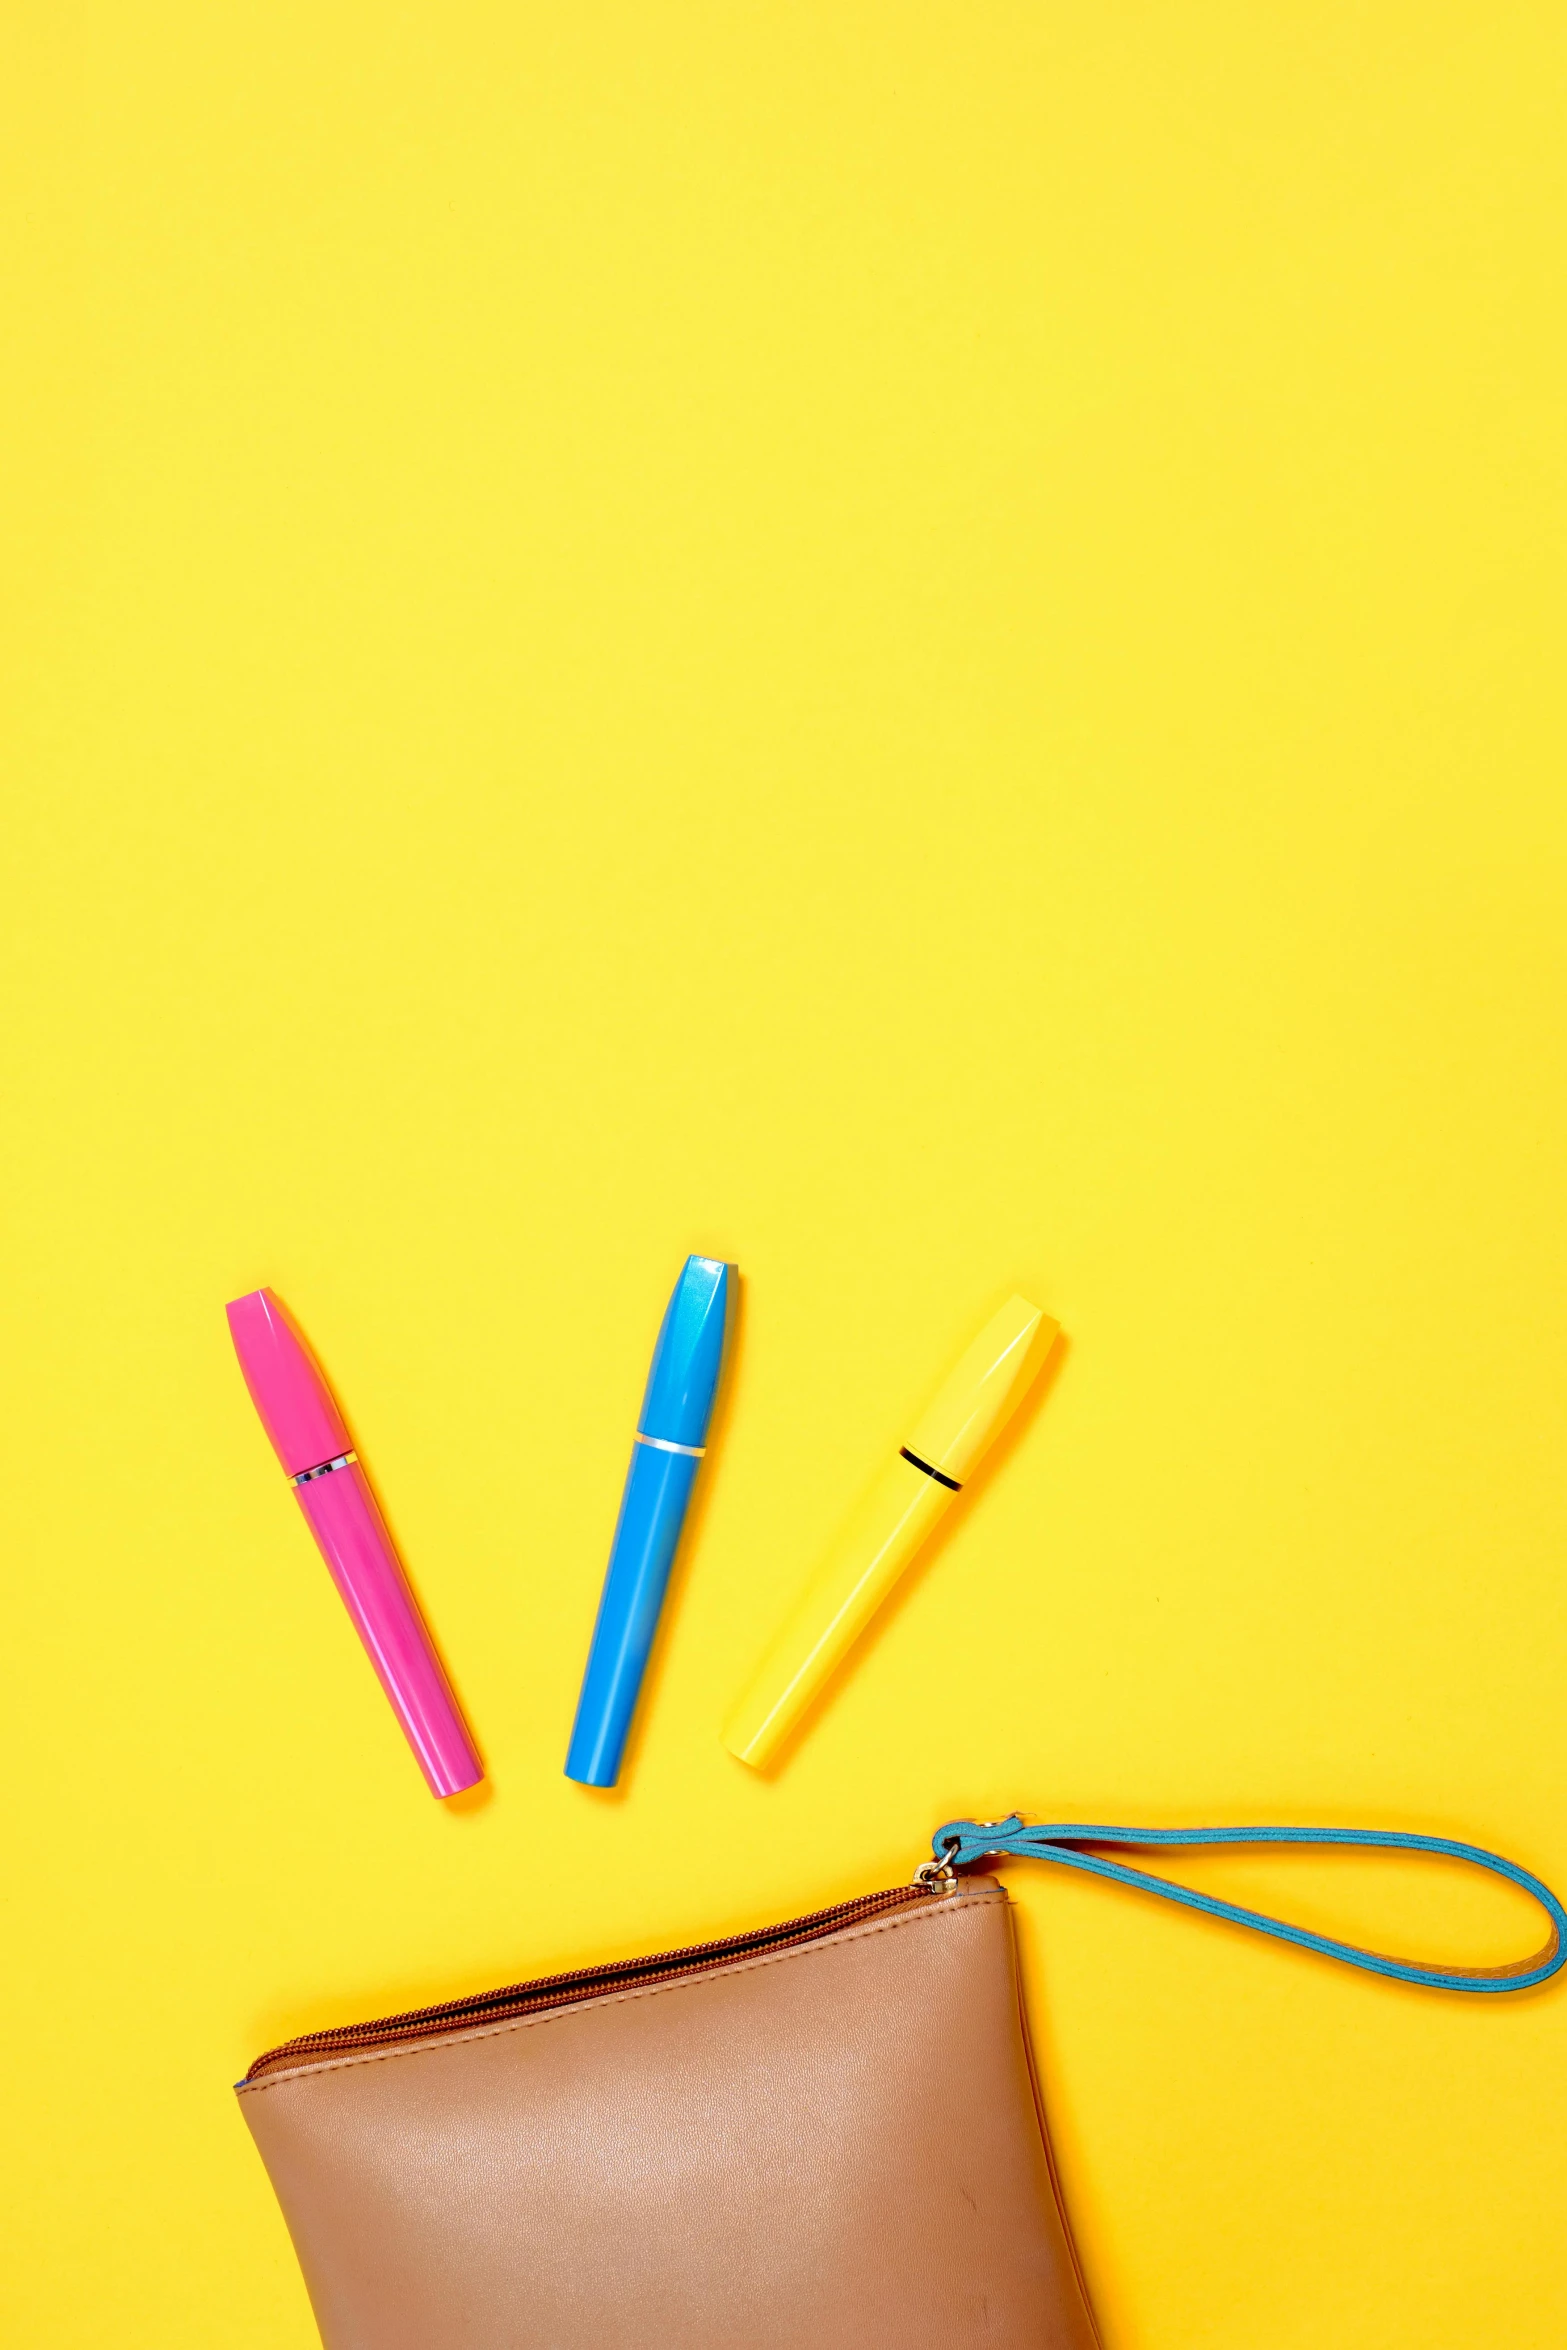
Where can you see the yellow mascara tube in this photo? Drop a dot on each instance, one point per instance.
(913, 1492)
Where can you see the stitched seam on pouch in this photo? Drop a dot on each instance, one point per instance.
(559, 2015)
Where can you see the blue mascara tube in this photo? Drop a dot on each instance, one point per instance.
(671, 1439)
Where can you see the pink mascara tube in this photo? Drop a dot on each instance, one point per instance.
(300, 1415)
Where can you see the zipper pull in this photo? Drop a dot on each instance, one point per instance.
(935, 1876)
(939, 1873)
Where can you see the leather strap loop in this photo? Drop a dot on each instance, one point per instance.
(963, 1843)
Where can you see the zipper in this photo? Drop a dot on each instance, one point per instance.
(488, 2007)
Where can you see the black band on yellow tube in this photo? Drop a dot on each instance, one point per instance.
(950, 1483)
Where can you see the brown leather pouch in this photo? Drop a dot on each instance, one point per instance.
(823, 2134)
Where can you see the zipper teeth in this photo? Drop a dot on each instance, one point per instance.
(547, 1991)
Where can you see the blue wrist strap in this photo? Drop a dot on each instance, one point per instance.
(961, 1843)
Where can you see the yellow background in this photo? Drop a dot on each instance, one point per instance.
(921, 645)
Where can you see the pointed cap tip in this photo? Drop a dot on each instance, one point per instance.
(689, 1357)
(295, 1405)
(984, 1388)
